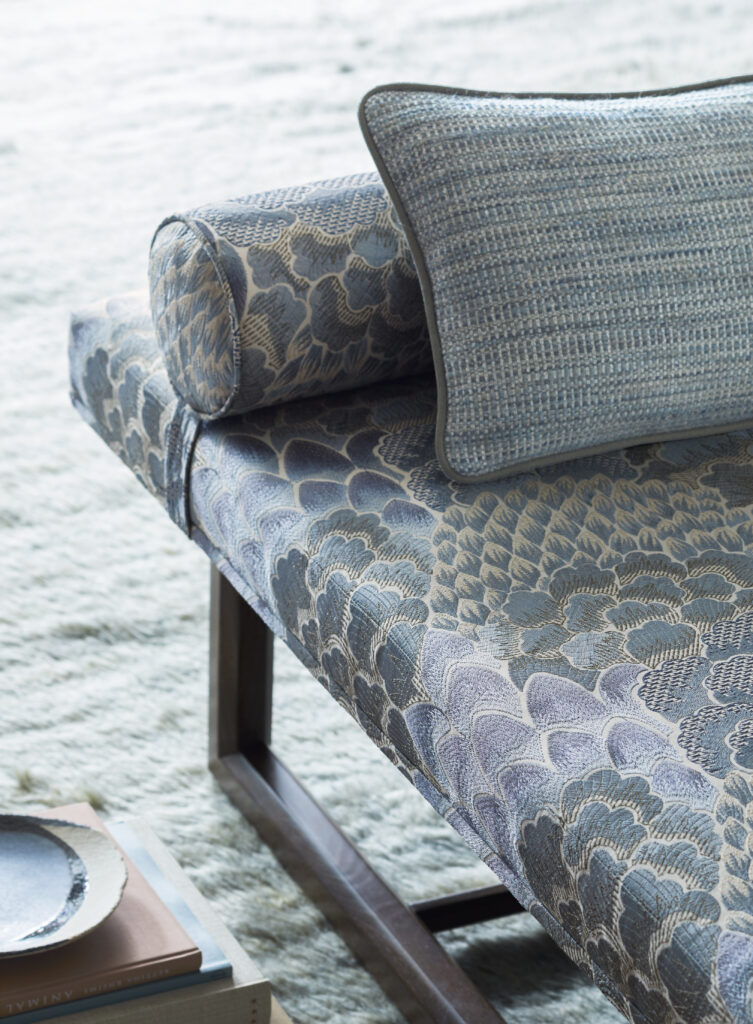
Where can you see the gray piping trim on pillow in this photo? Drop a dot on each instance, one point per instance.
(428, 293)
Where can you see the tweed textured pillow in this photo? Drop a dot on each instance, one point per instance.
(286, 294)
(586, 264)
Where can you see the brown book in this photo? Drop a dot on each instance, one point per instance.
(140, 942)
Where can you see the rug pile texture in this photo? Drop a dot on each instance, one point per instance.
(112, 116)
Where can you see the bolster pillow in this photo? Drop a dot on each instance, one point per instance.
(286, 294)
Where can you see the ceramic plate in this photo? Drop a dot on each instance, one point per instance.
(58, 880)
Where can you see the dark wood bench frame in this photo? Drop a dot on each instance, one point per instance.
(393, 940)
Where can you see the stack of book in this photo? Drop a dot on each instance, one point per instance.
(154, 957)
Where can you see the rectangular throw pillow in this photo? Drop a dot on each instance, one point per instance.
(586, 263)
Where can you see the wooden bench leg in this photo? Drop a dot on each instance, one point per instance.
(392, 940)
(240, 673)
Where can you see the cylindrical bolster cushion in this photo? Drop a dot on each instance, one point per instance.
(287, 294)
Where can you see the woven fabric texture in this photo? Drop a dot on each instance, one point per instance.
(120, 387)
(561, 662)
(286, 294)
(586, 263)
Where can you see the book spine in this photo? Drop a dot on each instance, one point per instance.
(43, 998)
(214, 1003)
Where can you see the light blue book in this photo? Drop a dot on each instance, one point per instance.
(214, 963)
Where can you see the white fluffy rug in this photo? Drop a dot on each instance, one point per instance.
(112, 115)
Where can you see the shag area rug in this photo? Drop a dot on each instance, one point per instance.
(111, 116)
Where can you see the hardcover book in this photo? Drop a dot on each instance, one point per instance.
(140, 944)
(239, 995)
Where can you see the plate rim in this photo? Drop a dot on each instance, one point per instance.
(107, 887)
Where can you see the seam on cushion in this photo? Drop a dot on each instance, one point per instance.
(231, 306)
(183, 433)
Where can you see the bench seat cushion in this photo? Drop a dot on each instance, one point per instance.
(561, 661)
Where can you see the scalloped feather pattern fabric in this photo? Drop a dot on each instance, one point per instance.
(286, 294)
(120, 387)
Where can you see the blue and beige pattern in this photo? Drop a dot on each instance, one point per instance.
(120, 387)
(286, 294)
(561, 662)
(586, 264)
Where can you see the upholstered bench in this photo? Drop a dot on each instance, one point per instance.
(559, 657)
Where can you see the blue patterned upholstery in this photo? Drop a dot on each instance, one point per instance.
(120, 387)
(561, 662)
(286, 294)
(586, 264)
